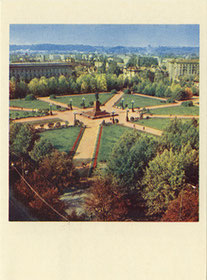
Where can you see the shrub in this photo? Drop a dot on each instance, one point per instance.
(46, 111)
(30, 97)
(58, 106)
(170, 100)
(113, 91)
(91, 103)
(50, 124)
(57, 125)
(52, 96)
(187, 103)
(127, 91)
(132, 119)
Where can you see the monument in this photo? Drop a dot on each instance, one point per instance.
(96, 113)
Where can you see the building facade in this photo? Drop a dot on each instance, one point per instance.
(177, 68)
(28, 71)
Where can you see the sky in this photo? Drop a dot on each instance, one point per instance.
(134, 35)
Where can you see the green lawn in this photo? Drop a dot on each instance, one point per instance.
(154, 123)
(34, 104)
(139, 101)
(44, 121)
(110, 135)
(16, 114)
(62, 139)
(179, 110)
(157, 123)
(77, 99)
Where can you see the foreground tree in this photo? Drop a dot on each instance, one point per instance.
(50, 179)
(58, 167)
(177, 134)
(42, 188)
(129, 158)
(185, 208)
(106, 202)
(166, 176)
(21, 138)
(12, 88)
(41, 148)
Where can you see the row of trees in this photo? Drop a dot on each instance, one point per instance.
(161, 89)
(144, 82)
(62, 85)
(153, 179)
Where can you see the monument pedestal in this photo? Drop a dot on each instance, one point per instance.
(96, 113)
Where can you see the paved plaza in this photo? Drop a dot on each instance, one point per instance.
(84, 153)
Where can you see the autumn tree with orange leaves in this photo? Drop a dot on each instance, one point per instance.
(106, 202)
(185, 208)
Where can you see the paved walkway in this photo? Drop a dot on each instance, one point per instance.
(84, 153)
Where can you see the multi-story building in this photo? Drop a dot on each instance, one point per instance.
(28, 71)
(177, 68)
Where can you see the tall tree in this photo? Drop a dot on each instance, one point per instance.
(62, 84)
(185, 208)
(59, 168)
(34, 86)
(41, 148)
(101, 82)
(106, 202)
(129, 158)
(21, 138)
(52, 86)
(177, 134)
(166, 176)
(21, 89)
(12, 88)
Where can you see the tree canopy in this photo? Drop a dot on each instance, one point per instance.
(129, 158)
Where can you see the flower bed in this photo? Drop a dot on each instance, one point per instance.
(96, 150)
(77, 141)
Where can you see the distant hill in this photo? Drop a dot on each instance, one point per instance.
(161, 50)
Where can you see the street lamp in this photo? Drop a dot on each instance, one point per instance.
(113, 113)
(50, 108)
(122, 103)
(132, 105)
(127, 117)
(74, 118)
(83, 99)
(71, 102)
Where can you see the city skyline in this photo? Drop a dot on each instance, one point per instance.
(107, 35)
